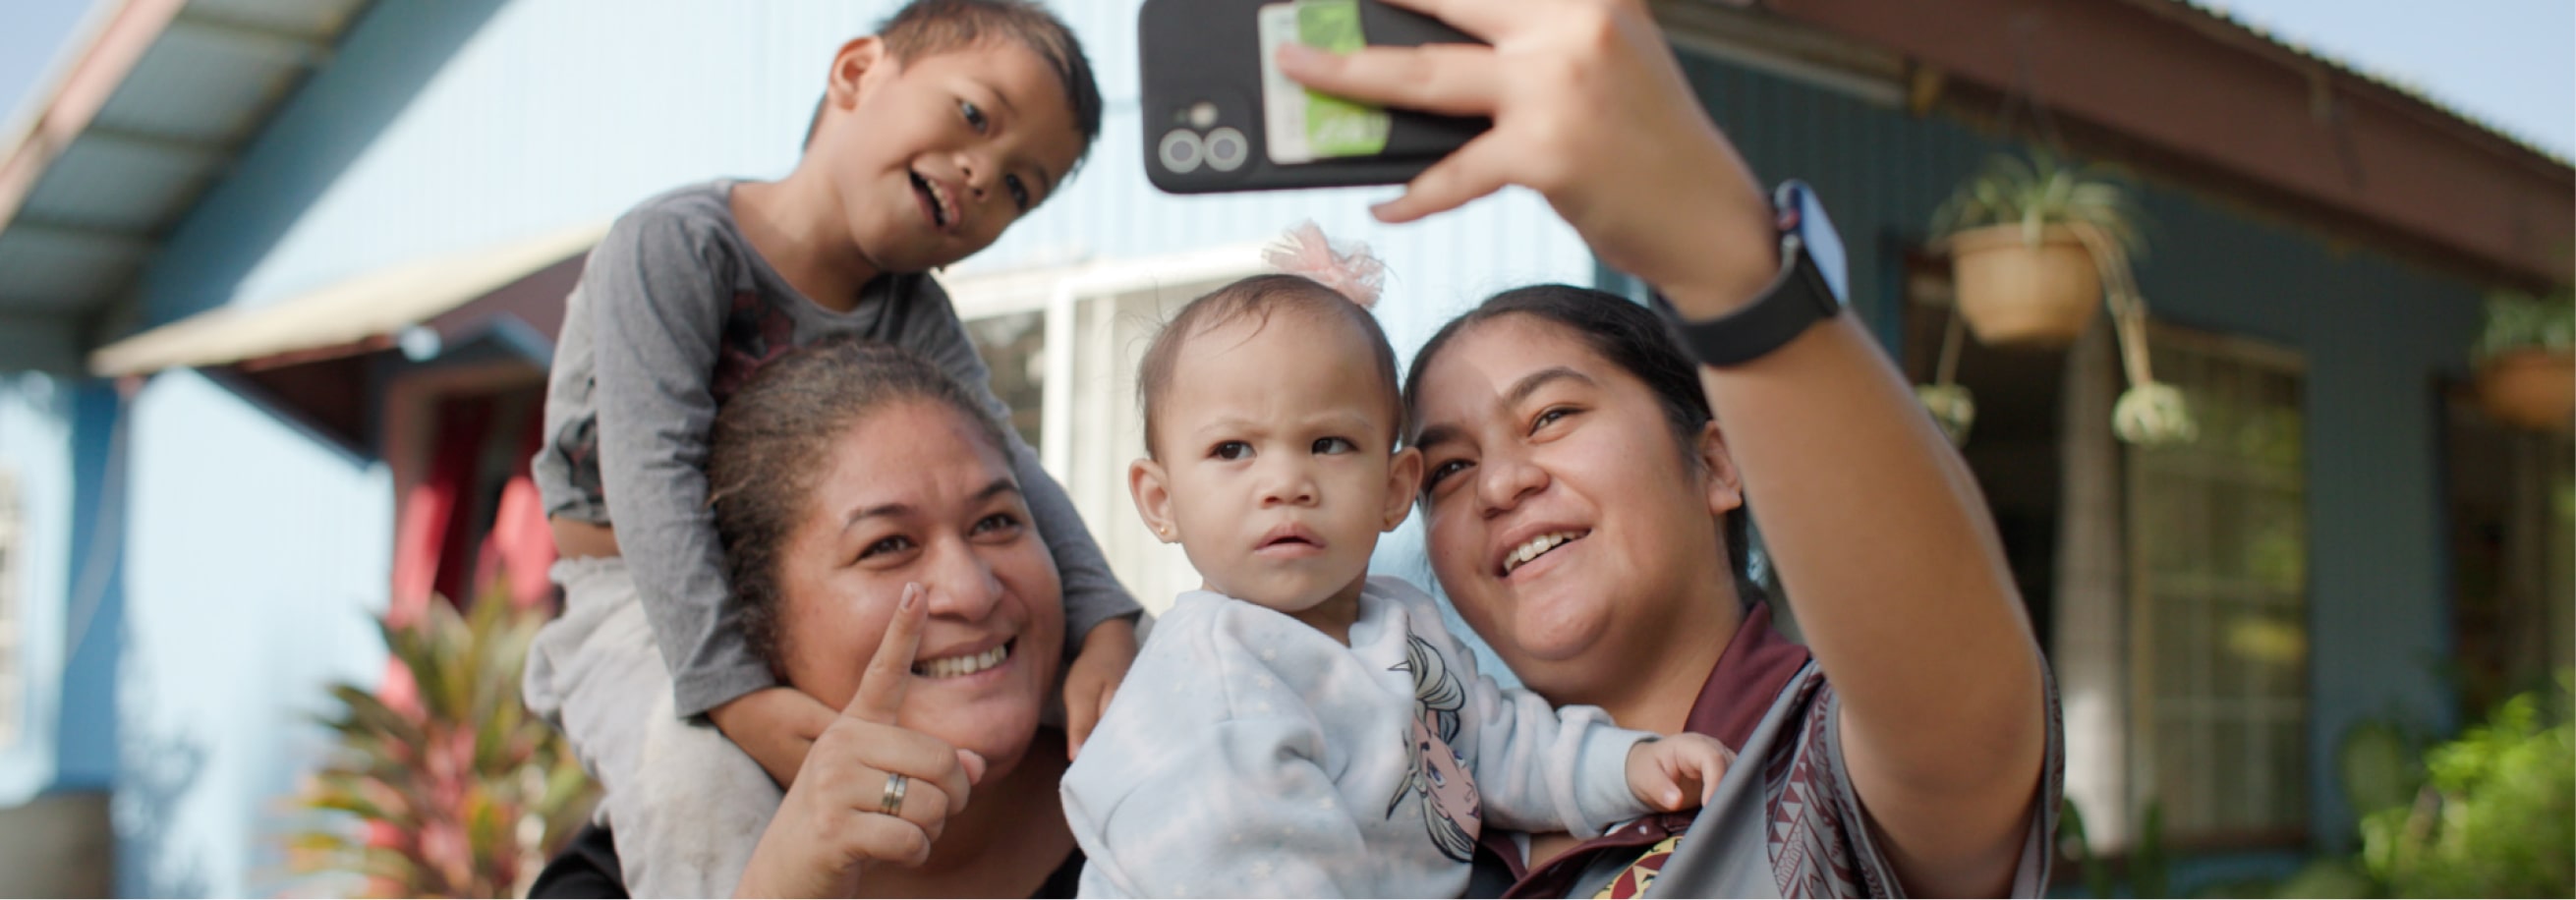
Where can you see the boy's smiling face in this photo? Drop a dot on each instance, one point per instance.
(934, 157)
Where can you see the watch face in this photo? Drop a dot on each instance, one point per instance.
(1800, 215)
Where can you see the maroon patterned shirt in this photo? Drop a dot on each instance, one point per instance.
(1818, 842)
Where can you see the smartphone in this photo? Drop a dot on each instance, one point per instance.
(1219, 117)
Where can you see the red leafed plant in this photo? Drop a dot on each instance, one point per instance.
(457, 789)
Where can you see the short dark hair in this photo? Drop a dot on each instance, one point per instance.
(1631, 337)
(1259, 297)
(925, 27)
(771, 439)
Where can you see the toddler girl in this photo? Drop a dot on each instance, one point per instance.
(1298, 728)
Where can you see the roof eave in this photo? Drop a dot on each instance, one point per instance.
(80, 94)
(2219, 97)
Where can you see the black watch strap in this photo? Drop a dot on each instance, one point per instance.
(1796, 299)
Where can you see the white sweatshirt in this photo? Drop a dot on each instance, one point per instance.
(1248, 754)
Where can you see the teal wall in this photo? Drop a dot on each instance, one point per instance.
(2376, 335)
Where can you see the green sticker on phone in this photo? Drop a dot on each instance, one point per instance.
(1304, 125)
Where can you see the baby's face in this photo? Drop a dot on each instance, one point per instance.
(1275, 442)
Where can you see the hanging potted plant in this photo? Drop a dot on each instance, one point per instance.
(1950, 403)
(2036, 248)
(2026, 240)
(2526, 375)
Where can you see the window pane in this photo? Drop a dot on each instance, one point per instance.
(2218, 531)
(1014, 348)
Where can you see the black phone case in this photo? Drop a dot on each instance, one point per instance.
(1210, 50)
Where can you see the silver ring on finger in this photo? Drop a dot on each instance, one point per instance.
(892, 803)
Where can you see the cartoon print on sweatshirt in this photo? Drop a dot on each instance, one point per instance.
(1452, 811)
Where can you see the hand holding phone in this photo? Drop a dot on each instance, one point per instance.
(1589, 109)
(1219, 115)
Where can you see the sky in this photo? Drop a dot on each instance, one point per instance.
(33, 39)
(2509, 64)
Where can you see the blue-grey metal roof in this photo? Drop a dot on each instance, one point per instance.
(202, 89)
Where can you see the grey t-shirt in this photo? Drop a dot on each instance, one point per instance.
(674, 311)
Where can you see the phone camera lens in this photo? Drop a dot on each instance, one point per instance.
(1181, 151)
(1227, 149)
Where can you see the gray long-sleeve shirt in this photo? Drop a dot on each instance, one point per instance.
(674, 311)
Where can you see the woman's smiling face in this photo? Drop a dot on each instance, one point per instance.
(914, 493)
(1561, 516)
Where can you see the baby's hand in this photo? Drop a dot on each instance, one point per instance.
(1106, 653)
(1665, 772)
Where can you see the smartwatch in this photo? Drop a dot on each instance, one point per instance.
(1808, 289)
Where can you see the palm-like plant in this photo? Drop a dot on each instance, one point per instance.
(2517, 321)
(2039, 192)
(460, 794)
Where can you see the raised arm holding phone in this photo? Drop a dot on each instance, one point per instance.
(1926, 708)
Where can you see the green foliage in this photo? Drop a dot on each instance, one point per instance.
(461, 794)
(2149, 869)
(2519, 321)
(2489, 814)
(2497, 815)
(2335, 877)
(2039, 192)
(1952, 406)
(2379, 766)
(2074, 842)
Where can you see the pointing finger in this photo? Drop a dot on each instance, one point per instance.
(889, 674)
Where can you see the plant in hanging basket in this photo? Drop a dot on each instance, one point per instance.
(1952, 407)
(2153, 415)
(2526, 371)
(2028, 241)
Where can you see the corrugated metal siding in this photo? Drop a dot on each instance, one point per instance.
(254, 557)
(130, 187)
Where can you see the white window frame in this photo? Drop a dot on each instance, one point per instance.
(2252, 359)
